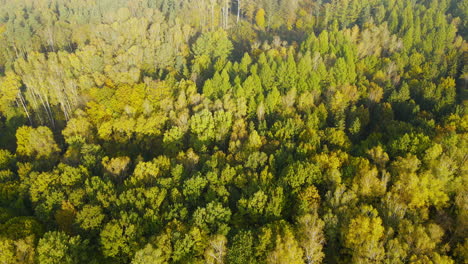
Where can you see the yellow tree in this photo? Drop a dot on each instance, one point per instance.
(10, 93)
(260, 18)
(216, 251)
(287, 250)
(311, 237)
(36, 143)
(363, 237)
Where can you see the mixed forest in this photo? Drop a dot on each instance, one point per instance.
(233, 131)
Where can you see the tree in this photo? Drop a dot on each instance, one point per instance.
(7, 159)
(417, 189)
(78, 130)
(308, 200)
(173, 139)
(57, 247)
(367, 181)
(255, 206)
(10, 95)
(216, 251)
(36, 143)
(260, 18)
(241, 249)
(90, 217)
(223, 122)
(287, 250)
(311, 237)
(205, 52)
(117, 167)
(378, 155)
(149, 254)
(190, 246)
(214, 217)
(176, 136)
(7, 253)
(119, 238)
(363, 237)
(421, 242)
(301, 174)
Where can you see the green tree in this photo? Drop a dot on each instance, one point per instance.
(206, 52)
(214, 217)
(119, 238)
(90, 217)
(149, 254)
(301, 174)
(241, 249)
(57, 247)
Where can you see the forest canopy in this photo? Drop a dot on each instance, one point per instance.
(233, 131)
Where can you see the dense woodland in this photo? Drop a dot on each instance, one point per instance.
(233, 131)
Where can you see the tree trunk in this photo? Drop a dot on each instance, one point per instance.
(226, 14)
(238, 10)
(212, 14)
(21, 99)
